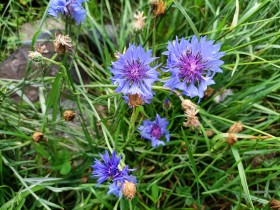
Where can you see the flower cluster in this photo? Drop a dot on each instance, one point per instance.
(109, 170)
(133, 74)
(155, 131)
(192, 64)
(68, 7)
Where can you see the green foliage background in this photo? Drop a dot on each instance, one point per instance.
(193, 169)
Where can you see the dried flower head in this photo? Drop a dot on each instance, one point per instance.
(38, 136)
(68, 115)
(192, 64)
(209, 133)
(41, 48)
(35, 56)
(231, 139)
(274, 204)
(192, 121)
(139, 21)
(62, 43)
(84, 179)
(129, 190)
(155, 131)
(73, 8)
(236, 128)
(208, 92)
(133, 74)
(135, 100)
(189, 107)
(158, 7)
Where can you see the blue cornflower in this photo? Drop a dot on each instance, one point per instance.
(134, 76)
(109, 170)
(66, 7)
(192, 64)
(155, 131)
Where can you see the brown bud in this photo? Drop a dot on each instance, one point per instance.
(209, 133)
(231, 139)
(208, 92)
(62, 43)
(158, 7)
(84, 179)
(129, 190)
(68, 115)
(38, 136)
(274, 204)
(183, 146)
(236, 128)
(135, 100)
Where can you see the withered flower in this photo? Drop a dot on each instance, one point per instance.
(158, 7)
(231, 139)
(38, 136)
(62, 43)
(68, 115)
(135, 100)
(236, 128)
(139, 21)
(129, 190)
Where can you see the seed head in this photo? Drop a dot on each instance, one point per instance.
(139, 21)
(38, 136)
(274, 204)
(158, 7)
(236, 128)
(129, 190)
(68, 115)
(135, 100)
(41, 48)
(62, 43)
(231, 139)
(189, 107)
(192, 122)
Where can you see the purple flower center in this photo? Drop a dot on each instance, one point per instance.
(156, 131)
(134, 71)
(191, 67)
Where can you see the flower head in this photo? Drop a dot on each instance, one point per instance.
(155, 131)
(66, 7)
(192, 64)
(133, 74)
(109, 170)
(139, 21)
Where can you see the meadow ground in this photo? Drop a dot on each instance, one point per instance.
(199, 124)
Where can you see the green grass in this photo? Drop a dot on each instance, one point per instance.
(192, 169)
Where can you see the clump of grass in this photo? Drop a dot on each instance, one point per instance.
(197, 168)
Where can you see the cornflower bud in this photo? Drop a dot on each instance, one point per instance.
(166, 104)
